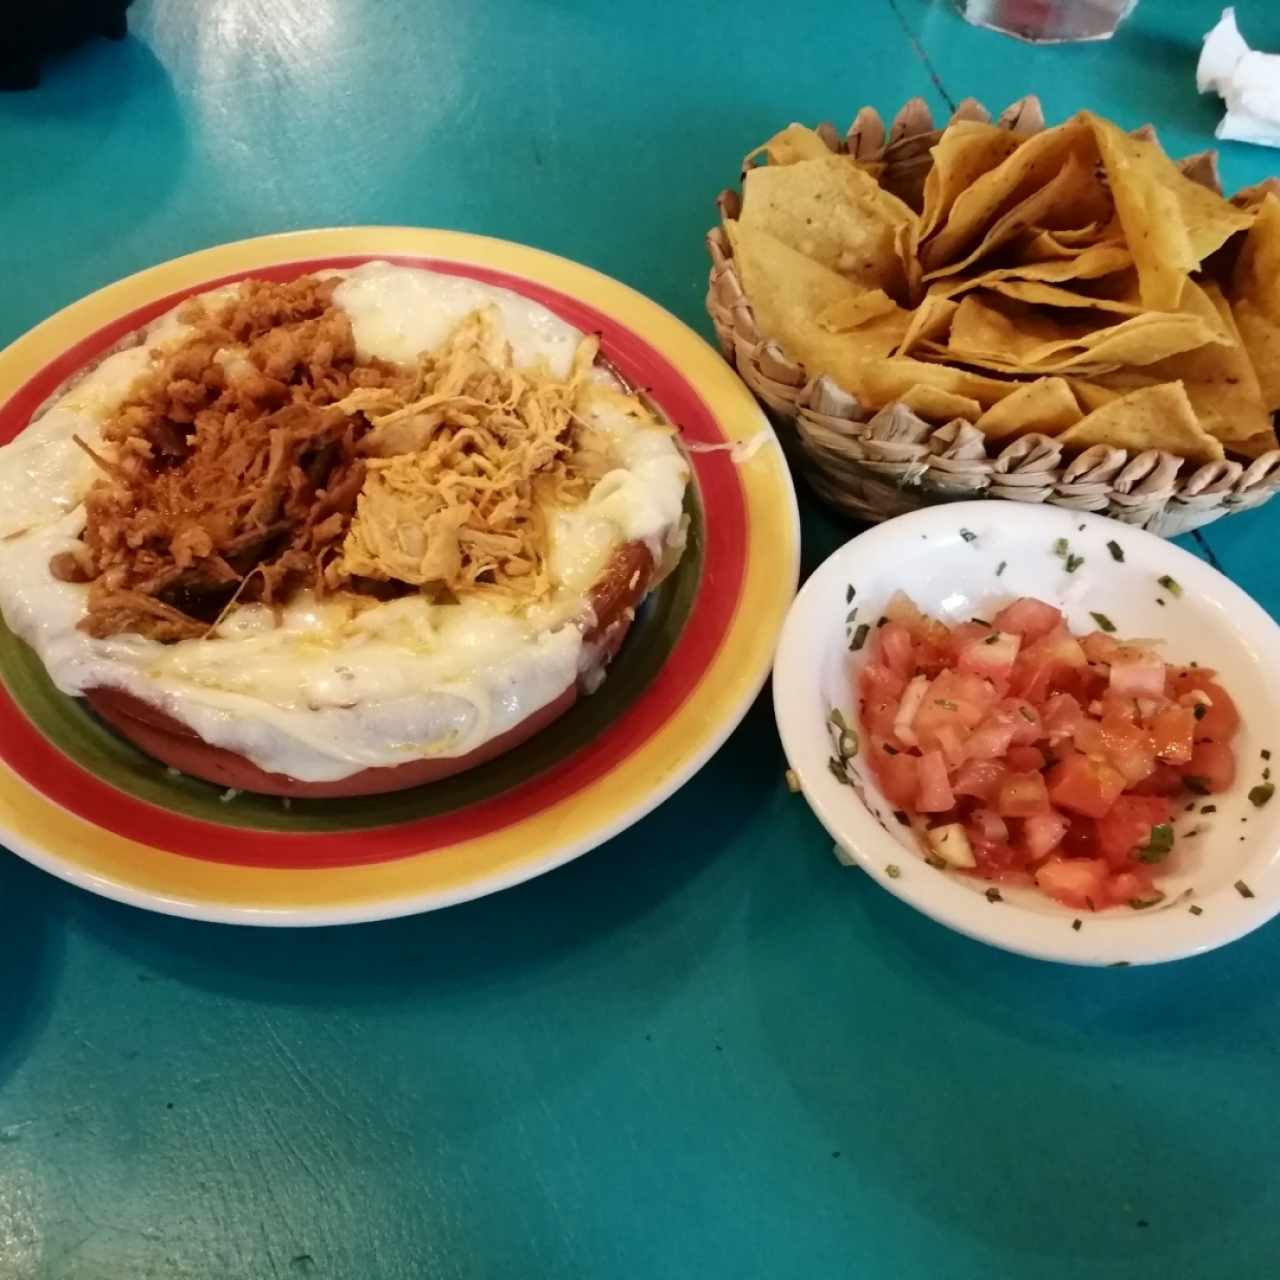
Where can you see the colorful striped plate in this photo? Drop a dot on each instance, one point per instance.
(85, 805)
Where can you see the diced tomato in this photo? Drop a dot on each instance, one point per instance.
(1024, 718)
(1220, 719)
(1025, 759)
(1212, 764)
(1075, 882)
(1048, 664)
(1164, 780)
(1132, 884)
(895, 650)
(999, 861)
(1022, 795)
(1028, 618)
(899, 776)
(1100, 647)
(877, 683)
(1081, 840)
(954, 700)
(933, 793)
(1060, 716)
(1128, 747)
(1043, 832)
(989, 741)
(1173, 731)
(963, 635)
(1127, 827)
(1084, 786)
(980, 779)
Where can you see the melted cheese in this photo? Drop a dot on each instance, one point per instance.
(322, 690)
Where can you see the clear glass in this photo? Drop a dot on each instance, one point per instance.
(1048, 21)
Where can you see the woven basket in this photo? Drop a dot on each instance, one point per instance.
(875, 466)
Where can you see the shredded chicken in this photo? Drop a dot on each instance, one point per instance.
(231, 474)
(261, 456)
(462, 461)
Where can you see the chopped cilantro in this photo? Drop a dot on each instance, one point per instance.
(991, 640)
(890, 749)
(1160, 601)
(1117, 551)
(993, 895)
(901, 816)
(893, 871)
(859, 637)
(982, 622)
(1196, 910)
(1266, 755)
(1141, 904)
(968, 535)
(1266, 774)
(1027, 714)
(1103, 621)
(1243, 889)
(1077, 924)
(1200, 711)
(880, 621)
(1074, 562)
(1060, 547)
(1171, 585)
(1209, 808)
(1158, 846)
(1001, 567)
(849, 593)
(1196, 784)
(853, 613)
(1260, 794)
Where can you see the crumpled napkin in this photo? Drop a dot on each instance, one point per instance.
(1247, 81)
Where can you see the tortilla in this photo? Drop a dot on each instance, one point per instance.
(883, 381)
(1159, 417)
(1171, 224)
(1022, 174)
(1046, 406)
(1073, 195)
(930, 322)
(936, 405)
(792, 144)
(966, 150)
(1098, 261)
(987, 326)
(789, 291)
(1254, 293)
(1038, 293)
(833, 212)
(853, 312)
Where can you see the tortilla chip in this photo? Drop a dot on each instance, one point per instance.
(930, 322)
(1171, 224)
(793, 144)
(934, 404)
(1037, 293)
(1020, 175)
(1219, 378)
(1096, 262)
(853, 312)
(1254, 293)
(966, 150)
(1073, 195)
(1029, 339)
(833, 212)
(883, 381)
(1159, 417)
(788, 291)
(1042, 244)
(1046, 405)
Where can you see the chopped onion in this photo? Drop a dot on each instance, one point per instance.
(1137, 678)
(952, 845)
(907, 708)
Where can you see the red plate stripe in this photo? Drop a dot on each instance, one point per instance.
(35, 759)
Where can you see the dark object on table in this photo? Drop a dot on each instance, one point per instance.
(34, 29)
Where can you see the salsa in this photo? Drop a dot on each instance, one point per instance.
(1024, 753)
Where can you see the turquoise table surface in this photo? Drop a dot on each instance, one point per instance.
(705, 1049)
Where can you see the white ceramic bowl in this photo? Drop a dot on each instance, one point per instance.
(948, 558)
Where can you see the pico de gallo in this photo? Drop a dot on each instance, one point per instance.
(1023, 753)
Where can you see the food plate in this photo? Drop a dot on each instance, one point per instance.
(967, 559)
(78, 801)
